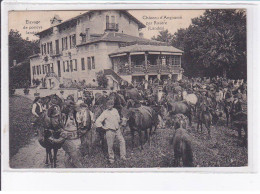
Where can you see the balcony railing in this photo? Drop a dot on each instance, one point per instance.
(150, 69)
(111, 26)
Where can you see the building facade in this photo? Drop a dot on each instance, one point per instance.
(77, 49)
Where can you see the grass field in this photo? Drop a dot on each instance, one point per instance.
(20, 129)
(223, 149)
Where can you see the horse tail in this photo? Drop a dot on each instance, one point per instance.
(187, 155)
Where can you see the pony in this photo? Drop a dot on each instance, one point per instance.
(52, 121)
(239, 123)
(181, 142)
(191, 99)
(204, 117)
(179, 107)
(139, 119)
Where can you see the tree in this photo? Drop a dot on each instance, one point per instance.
(164, 36)
(19, 48)
(214, 44)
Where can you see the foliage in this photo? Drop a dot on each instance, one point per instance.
(164, 36)
(102, 79)
(19, 48)
(214, 44)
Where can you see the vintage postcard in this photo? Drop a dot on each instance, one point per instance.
(116, 89)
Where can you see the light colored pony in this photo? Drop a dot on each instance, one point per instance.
(190, 98)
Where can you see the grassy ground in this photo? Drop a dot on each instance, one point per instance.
(223, 149)
(20, 131)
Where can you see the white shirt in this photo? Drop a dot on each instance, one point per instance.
(34, 108)
(110, 118)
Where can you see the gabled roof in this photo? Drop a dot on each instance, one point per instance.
(140, 24)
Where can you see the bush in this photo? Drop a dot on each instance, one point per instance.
(26, 91)
(102, 79)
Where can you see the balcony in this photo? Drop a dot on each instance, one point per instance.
(111, 27)
(55, 54)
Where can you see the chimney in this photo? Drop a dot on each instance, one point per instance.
(14, 63)
(141, 35)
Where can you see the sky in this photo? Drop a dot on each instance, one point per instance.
(30, 22)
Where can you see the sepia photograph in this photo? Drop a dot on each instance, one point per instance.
(96, 89)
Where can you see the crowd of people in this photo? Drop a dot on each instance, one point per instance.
(215, 93)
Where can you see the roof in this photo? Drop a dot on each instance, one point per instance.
(143, 48)
(140, 24)
(120, 37)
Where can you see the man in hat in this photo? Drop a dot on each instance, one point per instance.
(37, 110)
(237, 106)
(109, 120)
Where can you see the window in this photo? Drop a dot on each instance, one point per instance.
(51, 67)
(57, 46)
(43, 70)
(65, 43)
(71, 66)
(73, 41)
(93, 62)
(64, 66)
(37, 70)
(76, 65)
(33, 69)
(82, 64)
(48, 48)
(68, 66)
(46, 69)
(51, 50)
(40, 70)
(176, 60)
(44, 48)
(89, 63)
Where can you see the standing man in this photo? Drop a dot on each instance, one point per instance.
(109, 120)
(37, 110)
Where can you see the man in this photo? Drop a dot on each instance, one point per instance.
(37, 110)
(237, 106)
(109, 120)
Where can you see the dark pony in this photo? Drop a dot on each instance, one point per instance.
(239, 123)
(181, 142)
(140, 119)
(52, 121)
(182, 148)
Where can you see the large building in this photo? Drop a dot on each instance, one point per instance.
(77, 49)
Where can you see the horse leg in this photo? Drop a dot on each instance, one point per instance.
(50, 156)
(141, 139)
(133, 136)
(47, 157)
(55, 151)
(149, 136)
(227, 115)
(146, 135)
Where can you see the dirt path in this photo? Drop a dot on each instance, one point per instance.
(33, 156)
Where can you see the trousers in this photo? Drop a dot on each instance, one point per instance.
(110, 136)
